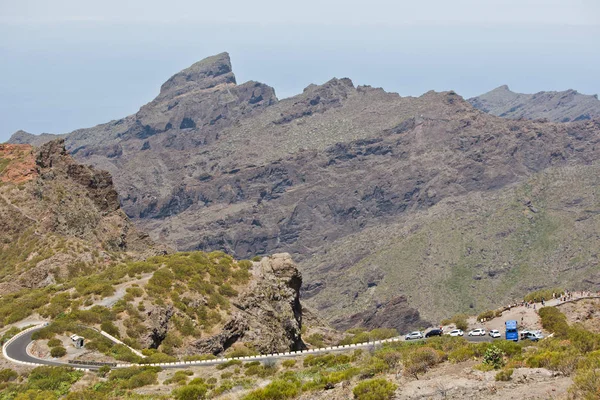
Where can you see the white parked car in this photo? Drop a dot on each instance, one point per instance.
(477, 332)
(495, 333)
(414, 335)
(456, 332)
(531, 335)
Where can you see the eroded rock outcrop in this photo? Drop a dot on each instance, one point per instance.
(268, 315)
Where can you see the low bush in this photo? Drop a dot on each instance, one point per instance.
(545, 294)
(9, 334)
(316, 339)
(110, 328)
(58, 351)
(44, 333)
(228, 364)
(374, 389)
(191, 392)
(278, 389)
(419, 361)
(179, 377)
(494, 357)
(504, 375)
(55, 379)
(134, 377)
(326, 360)
(54, 342)
(586, 385)
(8, 375)
(554, 321)
(461, 354)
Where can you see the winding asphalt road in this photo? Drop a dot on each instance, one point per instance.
(17, 350)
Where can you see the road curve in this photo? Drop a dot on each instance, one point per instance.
(15, 350)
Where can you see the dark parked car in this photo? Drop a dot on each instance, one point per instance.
(434, 332)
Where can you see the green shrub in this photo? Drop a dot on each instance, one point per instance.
(228, 364)
(374, 389)
(326, 360)
(487, 315)
(155, 357)
(316, 339)
(461, 354)
(134, 377)
(135, 291)
(494, 357)
(419, 361)
(44, 333)
(383, 333)
(58, 351)
(54, 342)
(586, 384)
(504, 375)
(226, 290)
(545, 294)
(7, 375)
(103, 371)
(10, 333)
(110, 328)
(240, 350)
(279, 389)
(191, 392)
(288, 363)
(554, 321)
(56, 379)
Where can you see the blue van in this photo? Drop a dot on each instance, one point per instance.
(511, 330)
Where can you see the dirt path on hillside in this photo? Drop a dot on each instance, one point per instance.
(526, 317)
(120, 292)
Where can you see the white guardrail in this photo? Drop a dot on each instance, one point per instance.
(185, 364)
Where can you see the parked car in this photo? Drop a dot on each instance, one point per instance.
(495, 333)
(531, 335)
(477, 332)
(456, 332)
(414, 335)
(434, 332)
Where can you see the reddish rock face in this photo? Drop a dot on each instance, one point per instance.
(17, 163)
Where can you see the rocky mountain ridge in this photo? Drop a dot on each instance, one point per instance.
(565, 106)
(210, 164)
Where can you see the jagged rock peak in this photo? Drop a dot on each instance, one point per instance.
(204, 74)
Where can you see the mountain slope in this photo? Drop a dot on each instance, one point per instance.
(58, 219)
(554, 106)
(213, 165)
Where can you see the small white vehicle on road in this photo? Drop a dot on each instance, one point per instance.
(495, 333)
(456, 332)
(477, 332)
(414, 335)
(534, 336)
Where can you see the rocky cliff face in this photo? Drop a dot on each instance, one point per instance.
(554, 106)
(268, 315)
(60, 218)
(333, 175)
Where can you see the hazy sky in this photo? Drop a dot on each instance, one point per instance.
(68, 64)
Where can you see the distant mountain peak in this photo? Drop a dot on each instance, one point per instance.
(204, 74)
(565, 106)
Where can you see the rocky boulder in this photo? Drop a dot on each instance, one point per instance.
(268, 315)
